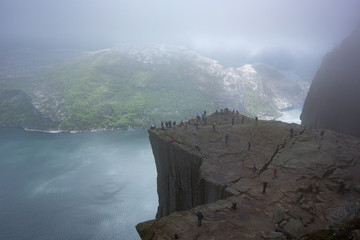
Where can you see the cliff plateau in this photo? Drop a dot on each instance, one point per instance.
(200, 171)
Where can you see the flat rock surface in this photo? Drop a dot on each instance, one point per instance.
(301, 198)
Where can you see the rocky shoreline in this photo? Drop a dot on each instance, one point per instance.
(69, 131)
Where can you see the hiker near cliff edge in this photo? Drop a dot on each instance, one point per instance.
(275, 174)
(254, 170)
(256, 120)
(341, 188)
(226, 138)
(200, 216)
(264, 187)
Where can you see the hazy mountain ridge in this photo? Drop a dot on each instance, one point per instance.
(141, 84)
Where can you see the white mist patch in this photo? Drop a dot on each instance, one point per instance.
(47, 187)
(291, 116)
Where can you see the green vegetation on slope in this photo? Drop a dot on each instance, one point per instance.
(17, 110)
(103, 92)
(120, 87)
(258, 104)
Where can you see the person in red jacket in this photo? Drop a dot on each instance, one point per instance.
(275, 173)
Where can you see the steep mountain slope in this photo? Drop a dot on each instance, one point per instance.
(138, 85)
(272, 88)
(334, 96)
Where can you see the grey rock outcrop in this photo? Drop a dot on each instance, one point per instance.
(295, 228)
(333, 98)
(303, 196)
(276, 236)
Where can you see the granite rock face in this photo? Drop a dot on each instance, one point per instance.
(200, 171)
(334, 95)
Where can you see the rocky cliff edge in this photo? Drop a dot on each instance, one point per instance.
(199, 171)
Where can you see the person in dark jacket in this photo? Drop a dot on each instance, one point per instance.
(200, 217)
(264, 187)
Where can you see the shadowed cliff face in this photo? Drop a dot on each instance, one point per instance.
(334, 96)
(177, 190)
(200, 171)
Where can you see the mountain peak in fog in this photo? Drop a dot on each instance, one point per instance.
(333, 99)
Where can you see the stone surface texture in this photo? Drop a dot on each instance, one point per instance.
(201, 172)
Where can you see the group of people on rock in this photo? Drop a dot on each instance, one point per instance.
(193, 121)
(201, 120)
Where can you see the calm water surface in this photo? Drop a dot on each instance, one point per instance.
(75, 186)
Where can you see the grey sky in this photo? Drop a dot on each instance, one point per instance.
(203, 25)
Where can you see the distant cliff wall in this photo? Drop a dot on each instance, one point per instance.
(334, 96)
(179, 182)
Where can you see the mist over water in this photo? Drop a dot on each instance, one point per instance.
(75, 186)
(291, 116)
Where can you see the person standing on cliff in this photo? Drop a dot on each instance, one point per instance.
(226, 138)
(254, 170)
(256, 120)
(264, 187)
(275, 173)
(200, 217)
(341, 188)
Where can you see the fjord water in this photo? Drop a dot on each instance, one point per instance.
(291, 116)
(93, 185)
